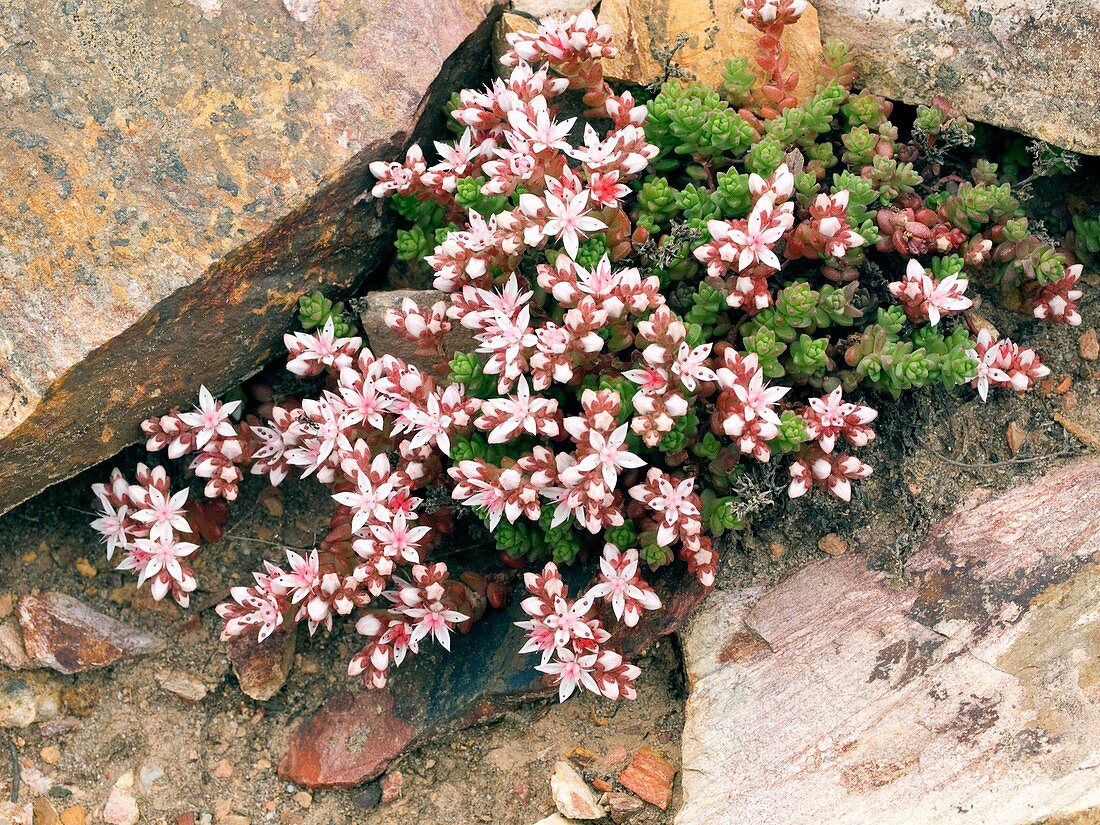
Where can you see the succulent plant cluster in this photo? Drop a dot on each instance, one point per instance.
(664, 292)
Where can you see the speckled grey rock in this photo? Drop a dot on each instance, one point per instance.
(173, 176)
(1026, 65)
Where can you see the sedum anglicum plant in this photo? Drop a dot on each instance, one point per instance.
(663, 293)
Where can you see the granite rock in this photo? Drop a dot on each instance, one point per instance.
(173, 176)
(1025, 65)
(968, 693)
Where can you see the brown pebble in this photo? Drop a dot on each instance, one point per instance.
(304, 799)
(1064, 385)
(223, 770)
(623, 806)
(1069, 401)
(521, 791)
(601, 784)
(186, 819)
(50, 754)
(581, 756)
(391, 786)
(85, 568)
(649, 775)
(44, 812)
(1015, 436)
(1089, 345)
(76, 816)
(778, 550)
(265, 532)
(832, 544)
(271, 499)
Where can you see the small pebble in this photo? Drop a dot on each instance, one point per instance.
(271, 499)
(73, 816)
(833, 544)
(223, 770)
(51, 754)
(1089, 345)
(572, 796)
(149, 775)
(616, 756)
(369, 797)
(85, 568)
(44, 812)
(1015, 435)
(121, 808)
(184, 685)
(650, 775)
(521, 791)
(304, 799)
(391, 786)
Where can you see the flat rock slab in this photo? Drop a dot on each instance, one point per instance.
(969, 695)
(1025, 65)
(173, 176)
(357, 732)
(66, 635)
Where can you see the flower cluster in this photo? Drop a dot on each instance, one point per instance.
(573, 646)
(926, 299)
(1005, 364)
(148, 523)
(662, 296)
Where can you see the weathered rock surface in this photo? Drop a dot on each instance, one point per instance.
(645, 30)
(713, 31)
(1026, 65)
(357, 732)
(972, 694)
(262, 669)
(173, 176)
(66, 635)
